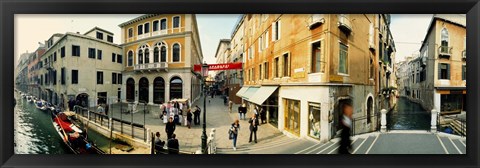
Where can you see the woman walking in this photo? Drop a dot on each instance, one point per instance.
(189, 118)
(234, 133)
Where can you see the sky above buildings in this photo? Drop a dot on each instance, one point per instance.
(407, 30)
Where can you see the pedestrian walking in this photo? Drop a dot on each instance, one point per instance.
(106, 109)
(100, 109)
(197, 115)
(346, 124)
(242, 110)
(189, 118)
(170, 128)
(233, 133)
(173, 146)
(263, 115)
(230, 106)
(253, 128)
(224, 100)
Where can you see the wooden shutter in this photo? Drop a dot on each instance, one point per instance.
(448, 71)
(274, 32)
(439, 71)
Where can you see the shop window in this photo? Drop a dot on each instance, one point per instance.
(292, 116)
(314, 120)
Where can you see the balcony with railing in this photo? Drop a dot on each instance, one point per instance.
(316, 20)
(157, 66)
(344, 23)
(444, 52)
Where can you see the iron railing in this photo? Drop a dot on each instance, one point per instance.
(409, 121)
(365, 124)
(135, 130)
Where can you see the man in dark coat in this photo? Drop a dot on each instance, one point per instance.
(170, 128)
(196, 115)
(242, 110)
(346, 124)
(263, 115)
(173, 146)
(253, 127)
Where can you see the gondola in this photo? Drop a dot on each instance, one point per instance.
(73, 137)
(41, 105)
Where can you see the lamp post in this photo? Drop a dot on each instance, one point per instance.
(204, 133)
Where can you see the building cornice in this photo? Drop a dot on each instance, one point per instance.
(174, 35)
(146, 16)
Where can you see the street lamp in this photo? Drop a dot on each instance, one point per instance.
(204, 133)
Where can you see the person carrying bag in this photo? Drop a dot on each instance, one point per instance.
(233, 133)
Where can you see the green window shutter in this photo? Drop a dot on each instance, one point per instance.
(439, 71)
(448, 71)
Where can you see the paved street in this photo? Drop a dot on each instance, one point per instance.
(218, 117)
(395, 142)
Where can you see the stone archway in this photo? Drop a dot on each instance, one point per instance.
(176, 88)
(130, 93)
(143, 90)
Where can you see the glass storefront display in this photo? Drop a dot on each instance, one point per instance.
(292, 116)
(314, 120)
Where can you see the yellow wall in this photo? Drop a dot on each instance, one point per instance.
(169, 18)
(151, 43)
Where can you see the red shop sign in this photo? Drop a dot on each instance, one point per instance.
(217, 67)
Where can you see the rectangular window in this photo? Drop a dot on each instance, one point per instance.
(253, 74)
(119, 78)
(343, 59)
(176, 22)
(266, 39)
(444, 71)
(372, 70)
(260, 76)
(260, 43)
(99, 77)
(140, 29)
(62, 76)
(55, 77)
(155, 25)
(314, 120)
(265, 66)
(286, 65)
(99, 54)
(74, 76)
(99, 35)
(276, 64)
(119, 58)
(464, 72)
(54, 56)
(276, 28)
(114, 56)
(130, 32)
(91, 53)
(110, 39)
(147, 27)
(75, 50)
(62, 52)
(317, 64)
(114, 78)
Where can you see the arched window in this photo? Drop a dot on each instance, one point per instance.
(176, 88)
(161, 50)
(130, 58)
(140, 57)
(130, 93)
(147, 56)
(143, 90)
(158, 90)
(444, 37)
(163, 24)
(176, 53)
(155, 54)
(143, 54)
(163, 54)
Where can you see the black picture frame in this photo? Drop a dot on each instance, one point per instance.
(9, 8)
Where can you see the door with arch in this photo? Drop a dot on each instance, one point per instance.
(130, 93)
(176, 88)
(158, 90)
(143, 90)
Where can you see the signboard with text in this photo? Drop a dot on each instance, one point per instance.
(218, 67)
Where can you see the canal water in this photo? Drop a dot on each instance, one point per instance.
(34, 132)
(408, 115)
